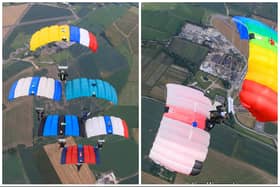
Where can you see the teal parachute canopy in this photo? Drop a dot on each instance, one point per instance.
(84, 87)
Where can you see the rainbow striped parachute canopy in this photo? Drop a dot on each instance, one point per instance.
(181, 143)
(67, 33)
(259, 89)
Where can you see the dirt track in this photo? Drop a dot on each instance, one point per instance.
(68, 174)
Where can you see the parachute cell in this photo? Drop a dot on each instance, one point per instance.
(181, 143)
(103, 125)
(37, 86)
(84, 87)
(79, 154)
(55, 125)
(259, 89)
(67, 33)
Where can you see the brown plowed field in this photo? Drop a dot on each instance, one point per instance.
(68, 173)
(11, 14)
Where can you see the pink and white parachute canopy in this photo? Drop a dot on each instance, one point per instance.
(181, 143)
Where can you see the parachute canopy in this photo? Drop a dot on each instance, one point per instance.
(103, 125)
(181, 143)
(37, 86)
(55, 125)
(259, 89)
(84, 87)
(70, 125)
(78, 154)
(67, 33)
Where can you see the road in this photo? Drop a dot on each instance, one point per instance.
(40, 21)
(127, 177)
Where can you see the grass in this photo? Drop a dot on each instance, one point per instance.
(125, 160)
(62, 57)
(254, 135)
(159, 25)
(160, 21)
(201, 82)
(20, 39)
(11, 69)
(26, 30)
(118, 154)
(43, 12)
(127, 22)
(13, 172)
(216, 91)
(231, 171)
(149, 52)
(266, 10)
(189, 51)
(270, 128)
(119, 79)
(109, 13)
(28, 164)
(244, 148)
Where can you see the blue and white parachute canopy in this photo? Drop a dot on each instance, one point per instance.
(84, 87)
(55, 125)
(37, 86)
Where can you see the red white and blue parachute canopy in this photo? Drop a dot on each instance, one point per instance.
(104, 125)
(79, 154)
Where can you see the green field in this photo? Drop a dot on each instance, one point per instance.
(118, 154)
(28, 165)
(216, 91)
(223, 139)
(266, 10)
(243, 148)
(192, 53)
(127, 22)
(26, 31)
(42, 12)
(203, 79)
(270, 128)
(231, 171)
(160, 21)
(109, 13)
(13, 68)
(13, 172)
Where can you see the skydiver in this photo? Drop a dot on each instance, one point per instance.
(85, 115)
(79, 165)
(216, 116)
(61, 142)
(40, 113)
(100, 144)
(62, 75)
